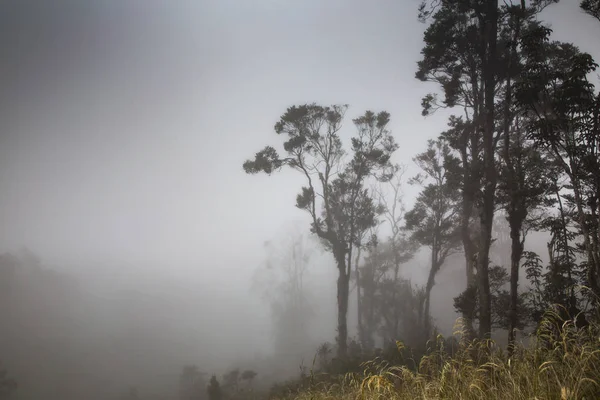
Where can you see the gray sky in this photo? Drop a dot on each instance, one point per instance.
(124, 125)
(128, 124)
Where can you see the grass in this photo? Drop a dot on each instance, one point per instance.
(562, 362)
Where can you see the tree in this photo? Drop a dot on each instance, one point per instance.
(522, 190)
(390, 303)
(248, 375)
(488, 22)
(564, 115)
(522, 178)
(389, 256)
(468, 302)
(452, 59)
(214, 389)
(281, 283)
(340, 207)
(460, 54)
(471, 52)
(364, 328)
(434, 217)
(592, 8)
(513, 171)
(398, 305)
(231, 381)
(368, 279)
(556, 285)
(192, 383)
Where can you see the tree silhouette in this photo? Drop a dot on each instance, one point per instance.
(340, 207)
(564, 114)
(280, 282)
(214, 389)
(592, 8)
(192, 383)
(433, 220)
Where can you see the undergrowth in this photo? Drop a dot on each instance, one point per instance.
(562, 362)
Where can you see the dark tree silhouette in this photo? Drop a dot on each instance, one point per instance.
(340, 207)
(564, 118)
(592, 8)
(214, 389)
(433, 220)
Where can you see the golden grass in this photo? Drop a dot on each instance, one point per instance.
(562, 363)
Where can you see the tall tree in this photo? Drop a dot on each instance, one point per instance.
(556, 285)
(192, 385)
(522, 190)
(564, 111)
(470, 50)
(488, 23)
(459, 54)
(281, 284)
(362, 326)
(434, 217)
(214, 389)
(340, 207)
(390, 303)
(451, 58)
(522, 183)
(399, 246)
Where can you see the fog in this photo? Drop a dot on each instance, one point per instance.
(123, 128)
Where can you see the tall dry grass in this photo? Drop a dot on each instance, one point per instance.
(562, 362)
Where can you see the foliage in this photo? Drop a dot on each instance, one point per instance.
(563, 362)
(564, 114)
(591, 7)
(433, 220)
(467, 303)
(340, 206)
(214, 389)
(391, 304)
(238, 384)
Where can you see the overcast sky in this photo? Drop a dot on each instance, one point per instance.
(124, 124)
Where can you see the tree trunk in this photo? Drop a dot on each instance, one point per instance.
(490, 36)
(428, 288)
(517, 211)
(515, 261)
(360, 304)
(396, 320)
(467, 242)
(485, 300)
(468, 194)
(343, 292)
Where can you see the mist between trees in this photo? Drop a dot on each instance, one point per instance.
(507, 211)
(520, 155)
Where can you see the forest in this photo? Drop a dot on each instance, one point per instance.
(506, 198)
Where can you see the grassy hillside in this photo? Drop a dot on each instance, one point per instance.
(563, 362)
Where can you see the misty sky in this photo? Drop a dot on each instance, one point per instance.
(124, 125)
